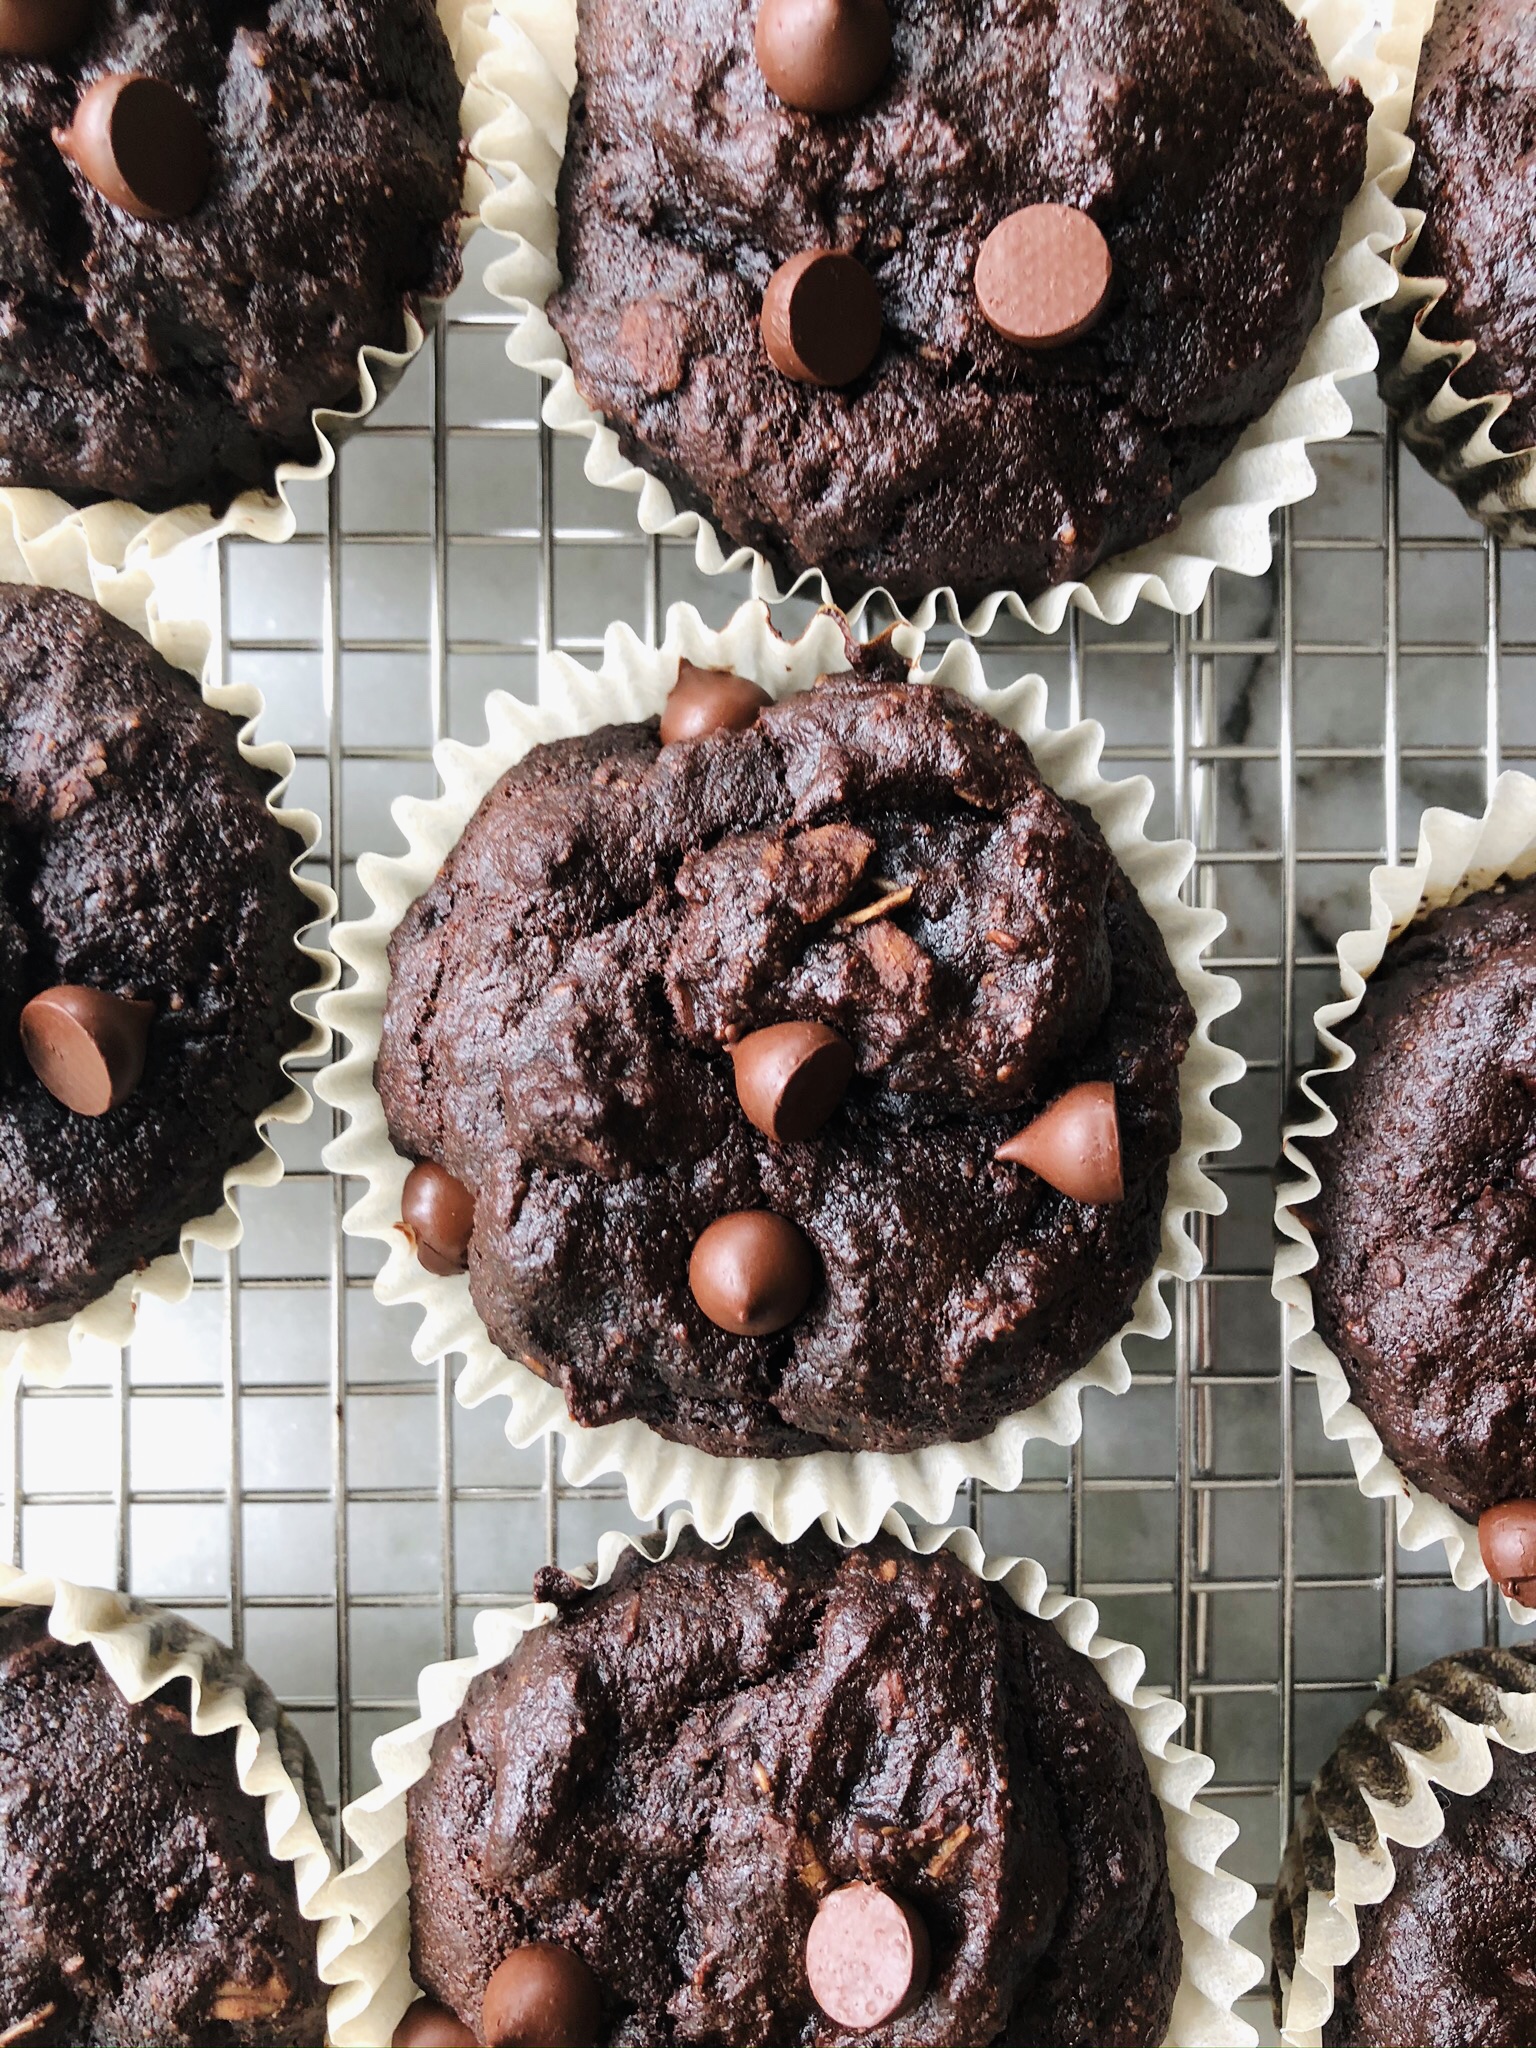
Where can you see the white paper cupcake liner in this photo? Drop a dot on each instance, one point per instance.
(1457, 857)
(115, 533)
(373, 1978)
(529, 67)
(150, 600)
(1452, 435)
(787, 1494)
(143, 1649)
(1434, 1728)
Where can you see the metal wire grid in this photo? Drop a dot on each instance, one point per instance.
(271, 1457)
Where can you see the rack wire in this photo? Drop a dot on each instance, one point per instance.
(270, 1457)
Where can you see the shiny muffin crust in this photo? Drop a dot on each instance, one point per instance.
(1202, 137)
(1425, 1227)
(1474, 132)
(171, 361)
(618, 912)
(671, 1775)
(141, 1900)
(137, 856)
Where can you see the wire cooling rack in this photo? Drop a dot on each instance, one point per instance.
(270, 1457)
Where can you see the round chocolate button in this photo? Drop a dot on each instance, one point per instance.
(709, 700)
(867, 1957)
(439, 1212)
(140, 145)
(1075, 1144)
(823, 56)
(791, 1077)
(41, 28)
(86, 1047)
(1043, 275)
(1506, 1536)
(541, 1996)
(822, 322)
(752, 1272)
(429, 2025)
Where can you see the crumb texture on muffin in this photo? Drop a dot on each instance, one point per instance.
(671, 1776)
(142, 1902)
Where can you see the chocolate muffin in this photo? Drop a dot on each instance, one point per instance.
(743, 1791)
(1082, 249)
(142, 1900)
(1425, 1225)
(1474, 130)
(788, 1075)
(147, 954)
(207, 207)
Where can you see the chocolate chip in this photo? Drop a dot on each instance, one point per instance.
(1043, 275)
(1506, 1535)
(41, 28)
(439, 1212)
(86, 1047)
(790, 1078)
(140, 145)
(822, 321)
(709, 700)
(541, 1996)
(1075, 1144)
(752, 1272)
(823, 56)
(429, 2025)
(867, 1957)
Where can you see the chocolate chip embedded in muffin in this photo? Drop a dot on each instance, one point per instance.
(143, 1900)
(584, 1028)
(147, 954)
(1016, 418)
(1425, 1226)
(205, 212)
(682, 1779)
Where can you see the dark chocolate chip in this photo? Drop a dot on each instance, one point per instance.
(1075, 1144)
(1506, 1535)
(1043, 275)
(429, 2025)
(439, 1212)
(790, 1078)
(823, 56)
(752, 1272)
(86, 1047)
(709, 700)
(541, 1996)
(822, 322)
(867, 1957)
(41, 28)
(140, 144)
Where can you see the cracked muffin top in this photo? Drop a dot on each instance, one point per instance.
(1082, 248)
(687, 1783)
(207, 207)
(805, 1081)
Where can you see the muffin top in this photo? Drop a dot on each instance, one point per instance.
(575, 1032)
(677, 1775)
(147, 953)
(1474, 135)
(308, 152)
(1194, 146)
(1425, 1228)
(142, 1900)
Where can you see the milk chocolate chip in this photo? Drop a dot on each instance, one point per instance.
(823, 56)
(140, 144)
(41, 28)
(439, 1212)
(866, 1957)
(752, 1272)
(790, 1078)
(429, 2025)
(541, 1996)
(1075, 1144)
(1506, 1535)
(86, 1047)
(709, 700)
(1043, 275)
(822, 321)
